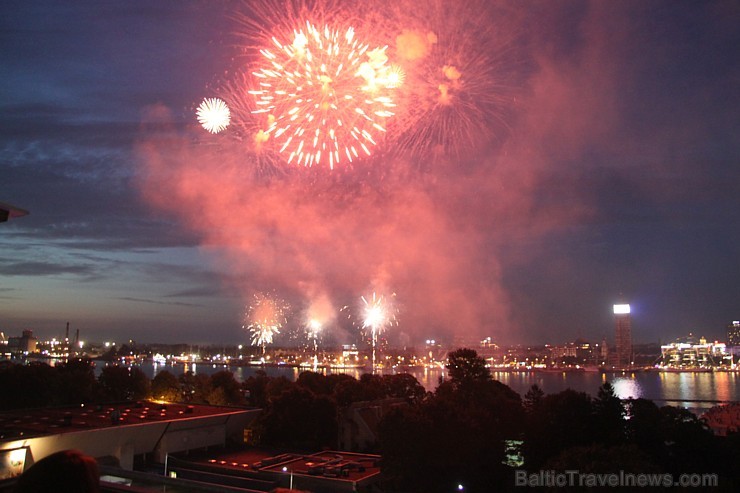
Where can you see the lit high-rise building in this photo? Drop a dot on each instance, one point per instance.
(733, 333)
(623, 335)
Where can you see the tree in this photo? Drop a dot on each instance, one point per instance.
(255, 388)
(643, 427)
(32, 385)
(533, 399)
(601, 459)
(195, 387)
(299, 418)
(347, 390)
(77, 383)
(166, 387)
(456, 434)
(609, 414)
(411, 451)
(466, 366)
(561, 421)
(690, 445)
(230, 392)
(276, 386)
(315, 382)
(120, 383)
(405, 386)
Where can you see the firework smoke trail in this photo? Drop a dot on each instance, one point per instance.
(378, 314)
(213, 114)
(264, 318)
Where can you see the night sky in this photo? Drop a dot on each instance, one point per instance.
(592, 159)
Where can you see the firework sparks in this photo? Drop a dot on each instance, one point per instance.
(313, 331)
(214, 115)
(457, 58)
(324, 95)
(378, 314)
(431, 82)
(264, 319)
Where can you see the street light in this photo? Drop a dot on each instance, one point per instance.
(285, 469)
(460, 487)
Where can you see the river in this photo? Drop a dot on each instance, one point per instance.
(695, 391)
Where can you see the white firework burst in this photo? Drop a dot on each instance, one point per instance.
(214, 115)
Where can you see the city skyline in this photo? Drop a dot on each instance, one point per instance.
(611, 178)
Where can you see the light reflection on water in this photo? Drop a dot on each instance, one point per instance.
(677, 389)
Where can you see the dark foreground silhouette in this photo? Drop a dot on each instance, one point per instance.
(68, 471)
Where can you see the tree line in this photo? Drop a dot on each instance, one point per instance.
(471, 430)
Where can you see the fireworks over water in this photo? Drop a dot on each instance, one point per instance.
(378, 314)
(357, 87)
(313, 331)
(264, 318)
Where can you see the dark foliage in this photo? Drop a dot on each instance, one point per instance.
(122, 383)
(225, 390)
(465, 366)
(561, 421)
(77, 383)
(299, 418)
(32, 385)
(430, 441)
(166, 387)
(457, 434)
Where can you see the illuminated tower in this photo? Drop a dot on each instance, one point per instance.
(733, 333)
(623, 335)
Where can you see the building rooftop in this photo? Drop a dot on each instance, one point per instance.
(28, 423)
(328, 471)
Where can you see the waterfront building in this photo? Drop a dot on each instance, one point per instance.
(686, 353)
(580, 352)
(489, 350)
(733, 333)
(623, 335)
(25, 344)
(350, 356)
(561, 352)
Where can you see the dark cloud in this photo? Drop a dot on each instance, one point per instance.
(156, 302)
(20, 268)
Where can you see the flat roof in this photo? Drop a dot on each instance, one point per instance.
(337, 465)
(357, 466)
(28, 423)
